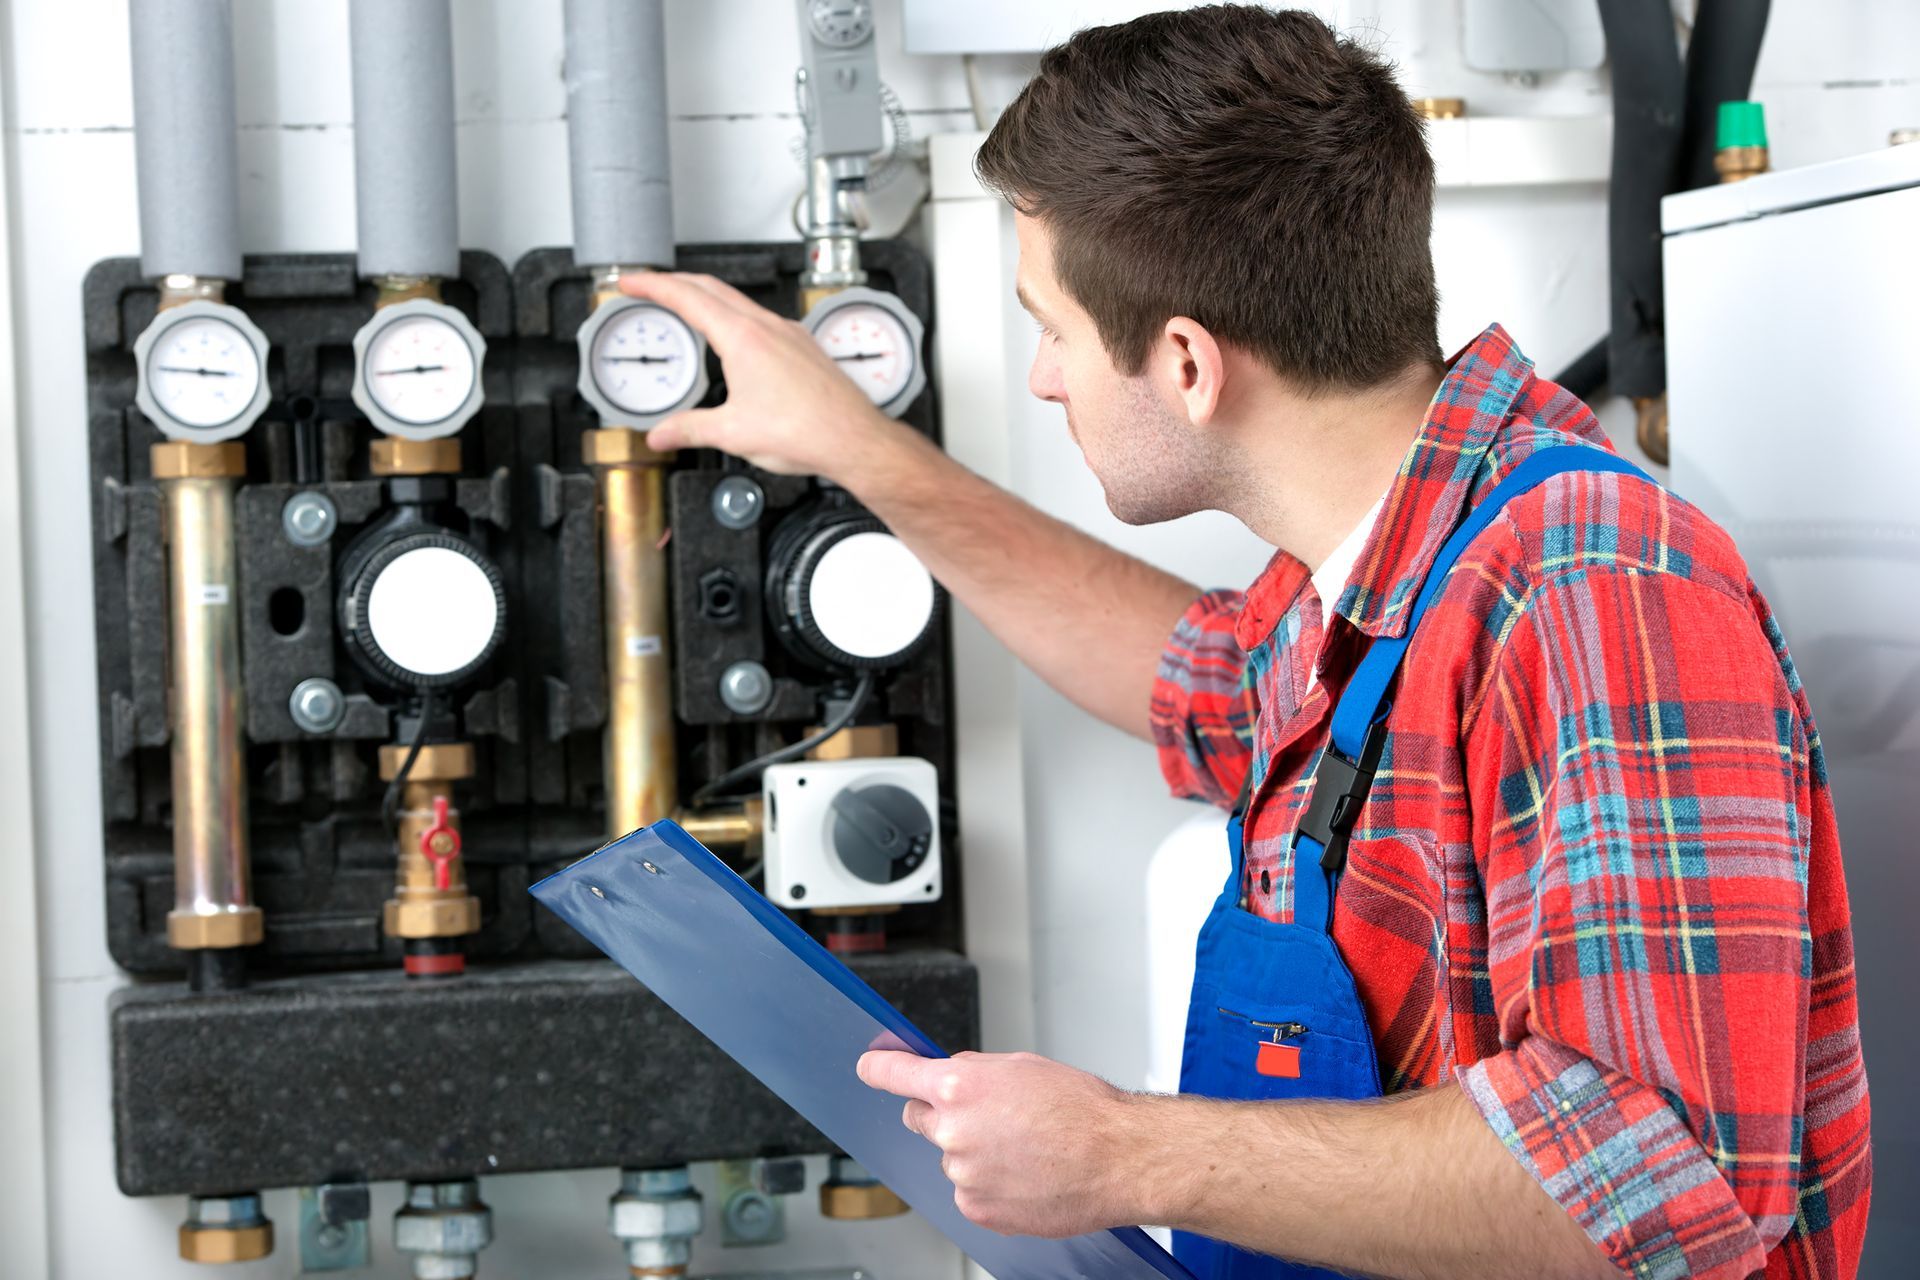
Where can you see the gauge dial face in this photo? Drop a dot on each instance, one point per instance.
(202, 372)
(645, 360)
(419, 369)
(840, 23)
(870, 596)
(871, 346)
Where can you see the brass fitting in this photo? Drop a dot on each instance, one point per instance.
(1650, 426)
(392, 289)
(1736, 163)
(394, 456)
(850, 1193)
(422, 906)
(859, 742)
(185, 460)
(619, 447)
(729, 828)
(1440, 108)
(177, 289)
(225, 1229)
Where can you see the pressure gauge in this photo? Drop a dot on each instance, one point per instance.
(423, 610)
(417, 369)
(840, 23)
(875, 340)
(640, 363)
(844, 594)
(202, 372)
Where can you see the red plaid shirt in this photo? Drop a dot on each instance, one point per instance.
(1598, 880)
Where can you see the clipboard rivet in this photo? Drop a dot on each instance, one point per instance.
(594, 889)
(650, 868)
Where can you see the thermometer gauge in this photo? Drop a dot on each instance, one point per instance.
(640, 363)
(875, 340)
(840, 23)
(417, 369)
(202, 372)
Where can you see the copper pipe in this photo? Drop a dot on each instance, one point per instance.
(213, 906)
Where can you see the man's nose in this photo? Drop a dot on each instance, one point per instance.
(1043, 378)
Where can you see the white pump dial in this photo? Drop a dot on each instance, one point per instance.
(202, 372)
(840, 23)
(418, 369)
(876, 341)
(640, 362)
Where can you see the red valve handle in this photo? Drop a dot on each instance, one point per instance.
(440, 845)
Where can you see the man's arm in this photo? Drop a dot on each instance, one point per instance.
(1415, 1187)
(1090, 620)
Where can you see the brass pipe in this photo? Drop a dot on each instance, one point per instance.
(213, 906)
(638, 751)
(728, 828)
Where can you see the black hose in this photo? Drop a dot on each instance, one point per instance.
(1720, 62)
(752, 769)
(1587, 375)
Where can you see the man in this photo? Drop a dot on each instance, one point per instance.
(1586, 930)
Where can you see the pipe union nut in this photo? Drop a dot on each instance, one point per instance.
(639, 1219)
(452, 1234)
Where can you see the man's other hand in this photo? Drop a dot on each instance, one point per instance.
(789, 408)
(1032, 1147)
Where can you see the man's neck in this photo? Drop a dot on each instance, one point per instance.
(1314, 467)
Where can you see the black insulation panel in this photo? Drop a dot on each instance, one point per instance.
(550, 1065)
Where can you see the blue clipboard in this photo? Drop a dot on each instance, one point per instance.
(777, 1002)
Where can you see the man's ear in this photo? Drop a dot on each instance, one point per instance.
(1193, 367)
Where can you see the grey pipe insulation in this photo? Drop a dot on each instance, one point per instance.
(1663, 142)
(184, 138)
(403, 143)
(616, 74)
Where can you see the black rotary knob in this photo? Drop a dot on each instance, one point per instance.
(422, 610)
(882, 833)
(845, 594)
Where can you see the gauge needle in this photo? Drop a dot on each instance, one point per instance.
(204, 373)
(419, 368)
(639, 359)
(864, 355)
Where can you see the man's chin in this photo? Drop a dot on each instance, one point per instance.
(1137, 510)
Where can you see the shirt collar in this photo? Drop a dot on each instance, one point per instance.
(1426, 501)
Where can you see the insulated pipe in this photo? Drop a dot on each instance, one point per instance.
(183, 138)
(1721, 58)
(616, 73)
(403, 166)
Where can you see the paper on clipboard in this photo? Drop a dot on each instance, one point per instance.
(731, 963)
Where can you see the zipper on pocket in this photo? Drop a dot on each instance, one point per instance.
(1281, 1030)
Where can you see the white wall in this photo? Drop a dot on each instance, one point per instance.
(1534, 259)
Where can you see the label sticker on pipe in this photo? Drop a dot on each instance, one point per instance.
(644, 646)
(210, 593)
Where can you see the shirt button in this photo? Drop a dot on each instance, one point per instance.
(1266, 883)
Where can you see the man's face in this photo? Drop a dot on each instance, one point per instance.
(1132, 429)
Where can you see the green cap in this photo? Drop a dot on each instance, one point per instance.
(1742, 124)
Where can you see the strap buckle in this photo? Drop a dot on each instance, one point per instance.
(1340, 788)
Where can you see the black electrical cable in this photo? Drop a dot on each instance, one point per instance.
(1588, 373)
(390, 803)
(862, 690)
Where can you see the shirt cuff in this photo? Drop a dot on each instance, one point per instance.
(1619, 1160)
(1201, 713)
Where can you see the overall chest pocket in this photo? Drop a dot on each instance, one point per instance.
(1283, 1049)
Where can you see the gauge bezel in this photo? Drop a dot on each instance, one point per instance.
(363, 395)
(170, 426)
(611, 414)
(819, 31)
(823, 310)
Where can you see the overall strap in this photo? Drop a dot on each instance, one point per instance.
(1344, 775)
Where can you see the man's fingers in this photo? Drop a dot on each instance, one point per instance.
(918, 1117)
(694, 429)
(906, 1075)
(713, 314)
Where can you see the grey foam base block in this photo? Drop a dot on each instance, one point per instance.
(555, 1065)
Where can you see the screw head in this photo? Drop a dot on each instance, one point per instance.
(738, 502)
(317, 705)
(746, 688)
(309, 519)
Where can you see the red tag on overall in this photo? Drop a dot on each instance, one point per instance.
(1282, 1060)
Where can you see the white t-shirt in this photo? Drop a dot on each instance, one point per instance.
(1330, 579)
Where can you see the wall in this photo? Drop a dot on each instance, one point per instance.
(1534, 259)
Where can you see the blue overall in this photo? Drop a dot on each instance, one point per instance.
(1274, 1012)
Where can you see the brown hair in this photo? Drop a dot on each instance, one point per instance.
(1242, 166)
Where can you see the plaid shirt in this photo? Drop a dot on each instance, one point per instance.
(1598, 879)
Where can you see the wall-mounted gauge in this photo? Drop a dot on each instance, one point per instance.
(423, 610)
(840, 23)
(202, 372)
(417, 369)
(640, 363)
(876, 341)
(846, 595)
